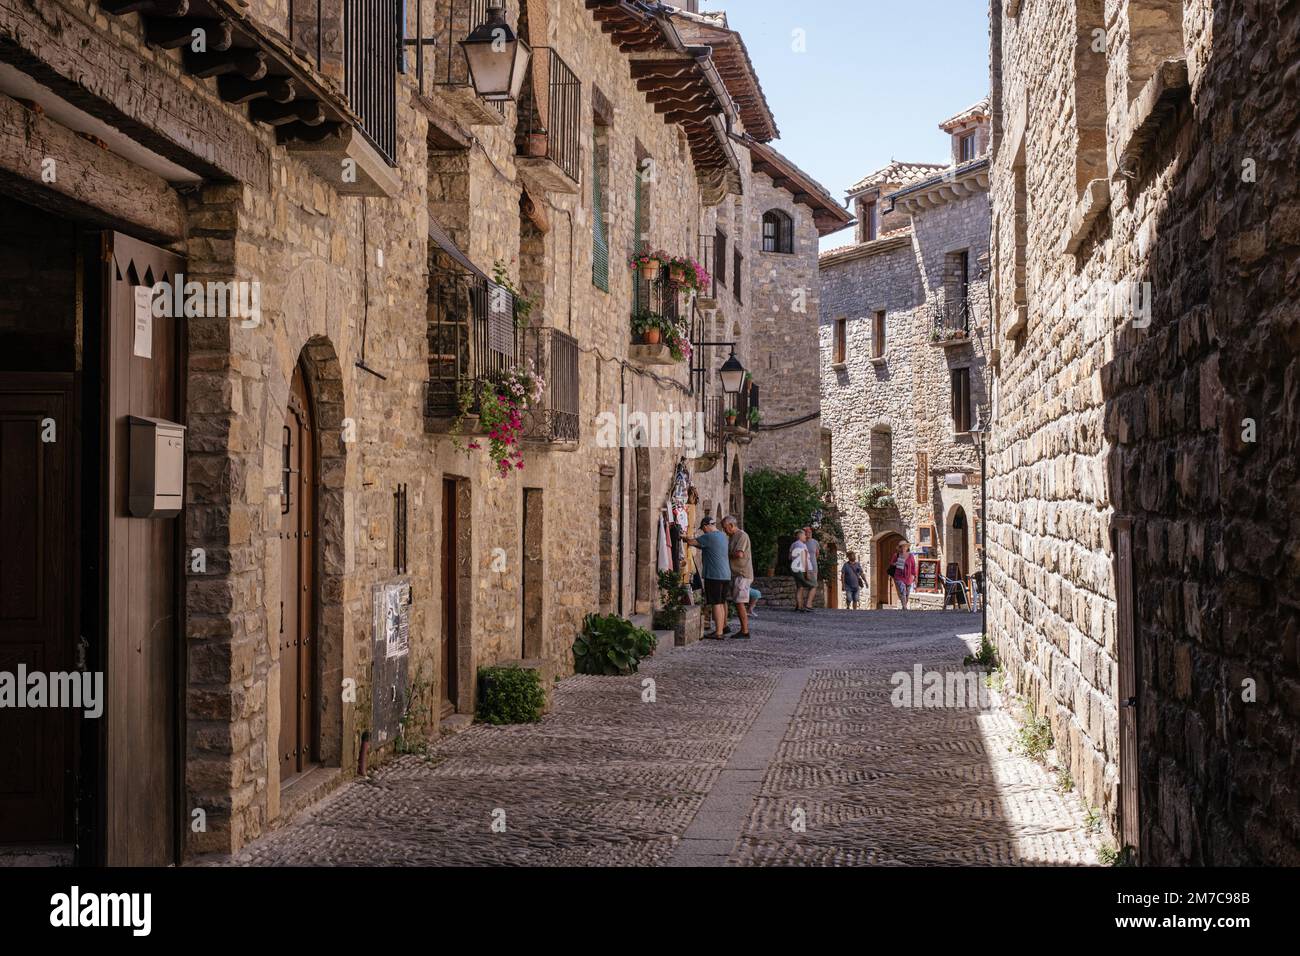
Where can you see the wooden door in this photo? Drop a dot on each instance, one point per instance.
(886, 595)
(144, 376)
(534, 548)
(1122, 539)
(297, 637)
(450, 597)
(37, 605)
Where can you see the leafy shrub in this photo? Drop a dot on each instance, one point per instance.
(610, 645)
(876, 497)
(510, 695)
(986, 656)
(1035, 735)
(777, 502)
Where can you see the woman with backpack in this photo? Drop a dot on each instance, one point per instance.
(903, 570)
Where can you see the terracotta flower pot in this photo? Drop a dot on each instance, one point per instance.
(649, 270)
(538, 143)
(651, 336)
(731, 419)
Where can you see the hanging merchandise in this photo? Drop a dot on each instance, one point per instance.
(665, 558)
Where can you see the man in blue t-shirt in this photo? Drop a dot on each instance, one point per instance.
(713, 546)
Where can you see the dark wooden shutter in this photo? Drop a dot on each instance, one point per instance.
(599, 241)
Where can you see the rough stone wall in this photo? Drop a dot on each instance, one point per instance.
(784, 304)
(908, 390)
(1052, 592)
(304, 244)
(1108, 414)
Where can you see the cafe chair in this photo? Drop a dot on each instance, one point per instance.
(955, 589)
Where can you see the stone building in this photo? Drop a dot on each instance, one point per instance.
(263, 226)
(904, 345)
(1142, 469)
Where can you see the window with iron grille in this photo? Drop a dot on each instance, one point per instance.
(737, 270)
(778, 232)
(882, 456)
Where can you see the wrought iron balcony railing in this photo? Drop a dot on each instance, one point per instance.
(472, 339)
(554, 356)
(950, 319)
(550, 113)
(657, 296)
(707, 258)
(372, 53)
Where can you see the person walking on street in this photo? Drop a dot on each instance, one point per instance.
(742, 571)
(851, 575)
(712, 545)
(814, 552)
(799, 563)
(903, 570)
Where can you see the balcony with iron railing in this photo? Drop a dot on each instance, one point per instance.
(554, 419)
(321, 73)
(472, 343)
(660, 336)
(550, 125)
(708, 296)
(949, 319)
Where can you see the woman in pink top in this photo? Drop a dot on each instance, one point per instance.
(904, 568)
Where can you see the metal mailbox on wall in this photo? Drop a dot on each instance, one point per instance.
(156, 469)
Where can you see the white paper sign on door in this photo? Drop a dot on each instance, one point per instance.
(143, 321)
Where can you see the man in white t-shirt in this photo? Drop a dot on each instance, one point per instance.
(800, 566)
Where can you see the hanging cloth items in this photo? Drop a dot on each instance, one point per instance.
(665, 559)
(675, 537)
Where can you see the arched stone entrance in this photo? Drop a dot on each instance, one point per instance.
(307, 438)
(884, 594)
(957, 544)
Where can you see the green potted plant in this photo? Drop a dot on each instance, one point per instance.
(755, 416)
(649, 325)
(648, 263)
(730, 414)
(749, 380)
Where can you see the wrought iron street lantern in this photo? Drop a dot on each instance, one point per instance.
(498, 59)
(732, 374)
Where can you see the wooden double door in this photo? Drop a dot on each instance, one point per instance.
(299, 747)
(86, 589)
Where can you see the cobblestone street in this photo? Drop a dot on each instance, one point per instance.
(742, 741)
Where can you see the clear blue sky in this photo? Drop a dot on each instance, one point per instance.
(877, 77)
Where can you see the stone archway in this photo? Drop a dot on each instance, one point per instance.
(883, 592)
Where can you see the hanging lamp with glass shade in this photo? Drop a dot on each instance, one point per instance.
(498, 59)
(732, 374)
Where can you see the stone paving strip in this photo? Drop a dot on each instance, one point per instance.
(743, 740)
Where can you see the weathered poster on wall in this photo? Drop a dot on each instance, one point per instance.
(397, 619)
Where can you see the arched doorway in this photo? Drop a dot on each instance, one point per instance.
(885, 594)
(299, 745)
(958, 551)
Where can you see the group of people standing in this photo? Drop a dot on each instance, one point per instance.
(901, 570)
(727, 568)
(728, 573)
